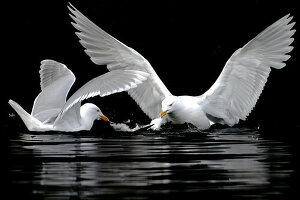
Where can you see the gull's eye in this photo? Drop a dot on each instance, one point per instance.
(98, 110)
(171, 104)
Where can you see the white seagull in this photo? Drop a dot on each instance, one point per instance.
(50, 110)
(229, 99)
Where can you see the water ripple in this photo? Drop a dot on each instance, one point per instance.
(235, 163)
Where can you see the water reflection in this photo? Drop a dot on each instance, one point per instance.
(223, 163)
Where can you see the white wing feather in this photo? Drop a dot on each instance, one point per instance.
(237, 89)
(106, 84)
(104, 49)
(55, 80)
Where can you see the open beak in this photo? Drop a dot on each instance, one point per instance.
(162, 113)
(104, 118)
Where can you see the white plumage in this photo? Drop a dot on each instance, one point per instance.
(51, 111)
(106, 50)
(230, 98)
(237, 89)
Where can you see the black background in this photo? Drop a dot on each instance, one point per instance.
(187, 43)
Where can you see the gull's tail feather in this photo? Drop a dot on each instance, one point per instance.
(30, 122)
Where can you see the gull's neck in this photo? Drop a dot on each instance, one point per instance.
(86, 120)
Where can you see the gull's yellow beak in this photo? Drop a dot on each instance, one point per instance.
(104, 118)
(162, 113)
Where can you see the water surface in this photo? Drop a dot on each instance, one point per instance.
(230, 163)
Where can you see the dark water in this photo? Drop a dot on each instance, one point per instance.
(230, 163)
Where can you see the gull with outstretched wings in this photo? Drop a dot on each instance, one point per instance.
(230, 99)
(51, 111)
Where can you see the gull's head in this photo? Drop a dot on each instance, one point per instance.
(167, 105)
(92, 111)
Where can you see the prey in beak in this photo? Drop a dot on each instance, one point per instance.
(162, 113)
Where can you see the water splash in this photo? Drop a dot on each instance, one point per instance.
(124, 127)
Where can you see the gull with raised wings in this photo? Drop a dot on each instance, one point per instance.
(230, 99)
(51, 111)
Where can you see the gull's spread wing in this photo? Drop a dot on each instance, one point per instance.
(106, 50)
(237, 89)
(55, 80)
(106, 84)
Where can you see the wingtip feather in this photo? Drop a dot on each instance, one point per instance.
(71, 7)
